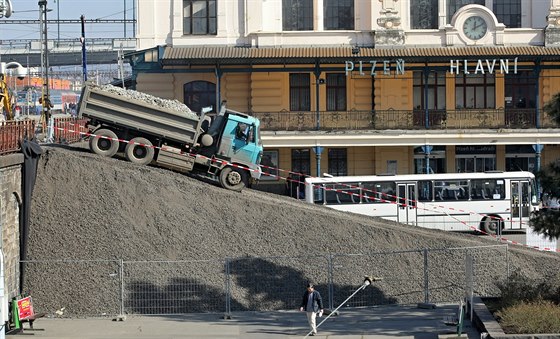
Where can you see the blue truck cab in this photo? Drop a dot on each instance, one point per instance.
(236, 149)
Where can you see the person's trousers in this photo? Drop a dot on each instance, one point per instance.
(311, 318)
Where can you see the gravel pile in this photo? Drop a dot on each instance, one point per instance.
(86, 207)
(175, 104)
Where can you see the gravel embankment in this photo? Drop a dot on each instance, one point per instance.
(86, 207)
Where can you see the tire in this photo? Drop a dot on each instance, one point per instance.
(491, 225)
(107, 146)
(233, 179)
(139, 154)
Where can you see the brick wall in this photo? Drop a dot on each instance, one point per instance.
(10, 203)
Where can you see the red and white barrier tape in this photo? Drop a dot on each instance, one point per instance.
(395, 201)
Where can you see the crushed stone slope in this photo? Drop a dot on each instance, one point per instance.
(87, 207)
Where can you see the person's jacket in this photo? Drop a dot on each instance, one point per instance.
(317, 301)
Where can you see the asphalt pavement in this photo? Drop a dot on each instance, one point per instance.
(401, 322)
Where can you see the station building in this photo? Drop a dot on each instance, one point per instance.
(351, 87)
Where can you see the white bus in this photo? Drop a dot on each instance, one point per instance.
(489, 202)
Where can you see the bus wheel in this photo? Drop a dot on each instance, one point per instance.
(139, 151)
(105, 143)
(491, 225)
(232, 179)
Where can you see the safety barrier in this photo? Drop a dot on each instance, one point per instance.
(296, 180)
(13, 132)
(113, 287)
(69, 130)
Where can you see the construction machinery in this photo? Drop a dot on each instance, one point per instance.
(225, 148)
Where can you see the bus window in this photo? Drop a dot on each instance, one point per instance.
(377, 192)
(425, 190)
(450, 190)
(485, 189)
(347, 194)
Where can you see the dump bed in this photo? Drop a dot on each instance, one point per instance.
(119, 110)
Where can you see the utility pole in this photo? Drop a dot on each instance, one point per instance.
(83, 41)
(45, 95)
(58, 20)
(124, 18)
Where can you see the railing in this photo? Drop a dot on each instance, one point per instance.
(404, 119)
(13, 132)
(67, 130)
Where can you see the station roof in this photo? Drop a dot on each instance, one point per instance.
(232, 55)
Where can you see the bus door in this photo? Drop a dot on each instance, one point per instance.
(406, 207)
(520, 204)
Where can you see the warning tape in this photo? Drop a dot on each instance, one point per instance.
(288, 179)
(223, 162)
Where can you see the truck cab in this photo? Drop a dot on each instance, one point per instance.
(237, 141)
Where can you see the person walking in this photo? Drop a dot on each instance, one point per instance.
(312, 304)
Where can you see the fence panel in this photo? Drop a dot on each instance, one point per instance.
(276, 283)
(81, 287)
(96, 288)
(402, 284)
(445, 284)
(174, 287)
(69, 130)
(13, 132)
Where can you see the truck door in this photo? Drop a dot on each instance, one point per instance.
(406, 203)
(520, 203)
(238, 142)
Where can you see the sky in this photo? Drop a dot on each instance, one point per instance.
(70, 10)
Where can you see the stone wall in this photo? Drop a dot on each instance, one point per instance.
(10, 204)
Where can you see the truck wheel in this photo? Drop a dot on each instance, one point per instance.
(232, 179)
(104, 143)
(139, 154)
(491, 225)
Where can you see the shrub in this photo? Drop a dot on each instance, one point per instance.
(520, 289)
(529, 305)
(541, 316)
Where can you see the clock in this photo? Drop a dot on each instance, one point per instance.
(475, 27)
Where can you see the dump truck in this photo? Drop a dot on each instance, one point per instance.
(224, 147)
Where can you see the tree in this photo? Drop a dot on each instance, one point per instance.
(552, 108)
(547, 221)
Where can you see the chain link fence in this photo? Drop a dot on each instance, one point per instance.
(97, 288)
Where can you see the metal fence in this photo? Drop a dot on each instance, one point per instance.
(112, 287)
(13, 132)
(69, 130)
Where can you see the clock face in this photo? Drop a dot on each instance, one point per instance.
(475, 27)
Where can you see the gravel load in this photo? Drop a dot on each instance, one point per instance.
(88, 208)
(174, 104)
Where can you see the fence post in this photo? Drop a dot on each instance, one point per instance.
(227, 277)
(426, 278)
(507, 261)
(122, 286)
(469, 282)
(331, 280)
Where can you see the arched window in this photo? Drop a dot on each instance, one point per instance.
(199, 94)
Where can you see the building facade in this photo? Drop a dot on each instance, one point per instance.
(351, 87)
